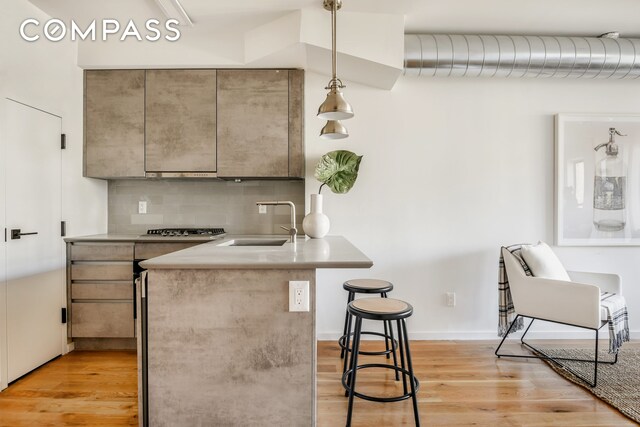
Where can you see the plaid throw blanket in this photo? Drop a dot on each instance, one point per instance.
(506, 313)
(615, 306)
(617, 319)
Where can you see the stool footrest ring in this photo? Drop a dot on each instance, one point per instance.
(381, 399)
(394, 344)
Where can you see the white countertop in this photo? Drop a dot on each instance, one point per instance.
(329, 252)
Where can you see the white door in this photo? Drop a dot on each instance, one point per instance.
(35, 260)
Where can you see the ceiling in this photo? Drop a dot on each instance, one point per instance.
(296, 33)
(542, 17)
(525, 17)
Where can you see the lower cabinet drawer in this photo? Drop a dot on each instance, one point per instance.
(102, 320)
(101, 252)
(102, 271)
(102, 290)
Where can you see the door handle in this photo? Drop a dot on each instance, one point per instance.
(16, 234)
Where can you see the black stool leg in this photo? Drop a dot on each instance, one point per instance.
(388, 326)
(345, 330)
(401, 345)
(386, 333)
(354, 366)
(386, 340)
(347, 341)
(395, 359)
(411, 376)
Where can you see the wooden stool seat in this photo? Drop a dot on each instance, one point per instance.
(368, 286)
(380, 308)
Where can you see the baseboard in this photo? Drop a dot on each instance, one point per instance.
(105, 344)
(483, 335)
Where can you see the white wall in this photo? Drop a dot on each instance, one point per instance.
(44, 75)
(452, 170)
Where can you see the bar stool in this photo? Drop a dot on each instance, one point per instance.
(367, 286)
(385, 310)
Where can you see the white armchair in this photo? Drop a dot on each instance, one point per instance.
(575, 303)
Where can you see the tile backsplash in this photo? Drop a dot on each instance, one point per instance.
(200, 203)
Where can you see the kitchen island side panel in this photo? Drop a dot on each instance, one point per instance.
(225, 350)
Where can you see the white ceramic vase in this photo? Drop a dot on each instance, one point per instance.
(316, 224)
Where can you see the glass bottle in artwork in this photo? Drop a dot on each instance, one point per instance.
(609, 186)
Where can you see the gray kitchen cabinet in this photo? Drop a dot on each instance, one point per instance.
(259, 130)
(100, 290)
(238, 123)
(180, 123)
(114, 123)
(100, 287)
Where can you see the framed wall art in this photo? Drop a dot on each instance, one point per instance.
(598, 180)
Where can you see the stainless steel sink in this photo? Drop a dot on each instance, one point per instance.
(254, 242)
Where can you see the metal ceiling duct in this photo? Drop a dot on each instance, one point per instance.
(521, 56)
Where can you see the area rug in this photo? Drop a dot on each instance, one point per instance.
(618, 385)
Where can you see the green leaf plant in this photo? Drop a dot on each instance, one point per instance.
(338, 170)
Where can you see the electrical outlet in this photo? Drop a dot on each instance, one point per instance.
(262, 209)
(298, 295)
(451, 299)
(142, 207)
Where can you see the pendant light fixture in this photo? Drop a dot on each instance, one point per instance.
(334, 107)
(334, 130)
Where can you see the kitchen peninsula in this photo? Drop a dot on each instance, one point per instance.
(221, 346)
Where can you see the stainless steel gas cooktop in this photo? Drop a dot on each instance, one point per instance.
(186, 232)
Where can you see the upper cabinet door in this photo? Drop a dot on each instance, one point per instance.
(253, 123)
(114, 123)
(181, 121)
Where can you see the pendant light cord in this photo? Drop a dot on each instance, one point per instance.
(335, 82)
(334, 51)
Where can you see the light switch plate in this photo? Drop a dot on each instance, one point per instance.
(262, 209)
(142, 207)
(298, 295)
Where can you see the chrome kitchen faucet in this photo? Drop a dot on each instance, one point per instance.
(293, 231)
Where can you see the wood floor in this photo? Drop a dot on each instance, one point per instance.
(79, 389)
(462, 383)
